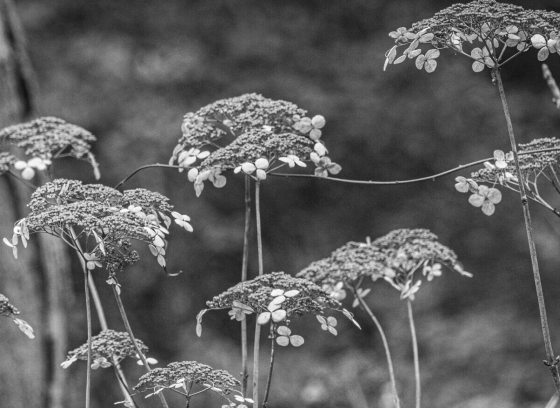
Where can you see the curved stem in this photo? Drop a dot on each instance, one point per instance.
(244, 265)
(147, 166)
(550, 357)
(256, 343)
(131, 334)
(418, 386)
(366, 309)
(88, 318)
(270, 367)
(553, 402)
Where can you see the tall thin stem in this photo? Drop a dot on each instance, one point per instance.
(551, 360)
(244, 265)
(417, 385)
(366, 309)
(88, 318)
(270, 366)
(256, 343)
(100, 315)
(131, 334)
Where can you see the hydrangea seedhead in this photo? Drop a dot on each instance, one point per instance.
(184, 374)
(396, 257)
(275, 298)
(488, 32)
(249, 134)
(105, 219)
(45, 139)
(537, 159)
(107, 348)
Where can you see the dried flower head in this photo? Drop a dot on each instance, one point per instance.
(103, 218)
(185, 374)
(109, 347)
(408, 252)
(275, 298)
(538, 159)
(395, 257)
(488, 32)
(45, 139)
(9, 310)
(258, 135)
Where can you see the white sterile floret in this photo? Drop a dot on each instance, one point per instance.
(292, 160)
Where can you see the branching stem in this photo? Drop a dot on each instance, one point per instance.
(550, 357)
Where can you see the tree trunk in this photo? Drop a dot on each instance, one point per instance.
(38, 282)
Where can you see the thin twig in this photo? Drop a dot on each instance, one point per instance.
(550, 357)
(147, 166)
(417, 386)
(88, 318)
(553, 402)
(270, 366)
(366, 309)
(134, 343)
(256, 343)
(244, 265)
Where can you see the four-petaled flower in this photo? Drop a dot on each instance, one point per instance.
(464, 185)
(259, 168)
(188, 157)
(328, 324)
(275, 311)
(428, 60)
(402, 34)
(239, 310)
(286, 337)
(337, 291)
(28, 168)
(486, 198)
(292, 160)
(546, 47)
(100, 362)
(92, 261)
(182, 220)
(482, 59)
(324, 166)
(431, 271)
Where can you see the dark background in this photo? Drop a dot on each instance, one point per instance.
(129, 70)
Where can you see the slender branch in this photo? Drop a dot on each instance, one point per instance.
(366, 309)
(134, 343)
(100, 313)
(147, 166)
(270, 366)
(551, 360)
(88, 318)
(256, 342)
(244, 266)
(418, 386)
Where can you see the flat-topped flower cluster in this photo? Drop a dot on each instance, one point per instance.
(185, 374)
(103, 218)
(486, 31)
(249, 134)
(403, 258)
(43, 140)
(277, 298)
(108, 348)
(538, 159)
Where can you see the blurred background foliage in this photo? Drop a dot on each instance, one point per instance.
(129, 70)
